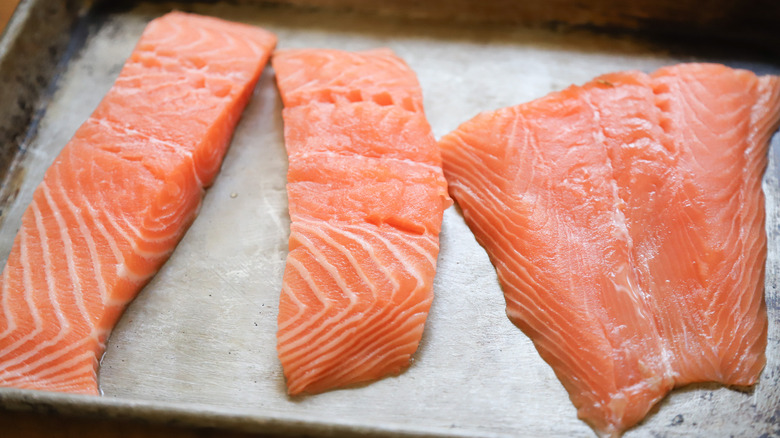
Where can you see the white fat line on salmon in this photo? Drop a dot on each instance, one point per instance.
(473, 160)
(139, 236)
(29, 366)
(320, 258)
(163, 230)
(391, 319)
(321, 344)
(28, 290)
(361, 321)
(497, 212)
(122, 271)
(195, 42)
(170, 36)
(532, 300)
(299, 305)
(370, 230)
(315, 230)
(75, 384)
(551, 341)
(307, 278)
(369, 248)
(50, 278)
(167, 213)
(624, 282)
(391, 337)
(357, 317)
(87, 367)
(393, 248)
(117, 127)
(10, 321)
(69, 255)
(112, 243)
(87, 235)
(64, 325)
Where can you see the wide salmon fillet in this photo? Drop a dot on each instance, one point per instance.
(366, 197)
(625, 220)
(120, 195)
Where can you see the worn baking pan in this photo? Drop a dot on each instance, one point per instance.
(198, 344)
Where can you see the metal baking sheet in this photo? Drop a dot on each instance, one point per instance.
(197, 346)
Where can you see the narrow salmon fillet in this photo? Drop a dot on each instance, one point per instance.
(625, 220)
(366, 197)
(120, 196)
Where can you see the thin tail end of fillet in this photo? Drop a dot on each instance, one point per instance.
(387, 367)
(625, 410)
(368, 358)
(298, 388)
(608, 414)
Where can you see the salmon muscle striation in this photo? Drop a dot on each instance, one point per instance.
(625, 220)
(366, 197)
(120, 195)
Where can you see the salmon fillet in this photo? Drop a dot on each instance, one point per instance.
(366, 197)
(625, 220)
(120, 196)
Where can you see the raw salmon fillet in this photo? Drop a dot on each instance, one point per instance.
(120, 195)
(625, 220)
(366, 197)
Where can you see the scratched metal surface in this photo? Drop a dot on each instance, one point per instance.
(198, 344)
